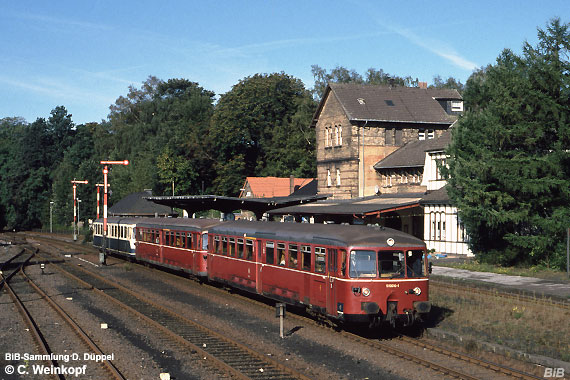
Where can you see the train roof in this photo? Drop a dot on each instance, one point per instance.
(326, 234)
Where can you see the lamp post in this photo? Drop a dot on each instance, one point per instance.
(51, 217)
(102, 255)
(75, 182)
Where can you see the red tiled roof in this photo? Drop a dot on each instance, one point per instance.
(268, 187)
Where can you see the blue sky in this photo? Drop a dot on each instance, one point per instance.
(85, 54)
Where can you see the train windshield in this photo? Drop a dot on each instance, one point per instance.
(391, 264)
(415, 263)
(362, 264)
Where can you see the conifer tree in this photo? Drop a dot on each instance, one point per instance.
(509, 165)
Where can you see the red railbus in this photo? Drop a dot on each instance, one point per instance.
(176, 243)
(349, 273)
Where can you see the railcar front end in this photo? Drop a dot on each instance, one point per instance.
(384, 285)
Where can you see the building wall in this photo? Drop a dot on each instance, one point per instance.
(432, 178)
(347, 153)
(443, 231)
(405, 180)
(336, 152)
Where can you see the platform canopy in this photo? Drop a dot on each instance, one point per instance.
(259, 206)
(348, 210)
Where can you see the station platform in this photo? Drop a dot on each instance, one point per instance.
(528, 285)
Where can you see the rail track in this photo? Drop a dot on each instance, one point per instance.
(401, 353)
(233, 359)
(387, 347)
(519, 297)
(40, 337)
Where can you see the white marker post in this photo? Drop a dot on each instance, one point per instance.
(280, 313)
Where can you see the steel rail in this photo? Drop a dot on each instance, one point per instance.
(384, 347)
(480, 362)
(39, 340)
(107, 364)
(391, 350)
(235, 354)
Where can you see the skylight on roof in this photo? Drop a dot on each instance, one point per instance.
(389, 103)
(361, 101)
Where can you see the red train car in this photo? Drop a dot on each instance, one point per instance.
(176, 243)
(349, 273)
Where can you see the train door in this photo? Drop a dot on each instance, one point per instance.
(259, 258)
(332, 255)
(162, 243)
(319, 280)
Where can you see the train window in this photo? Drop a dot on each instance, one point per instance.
(293, 252)
(224, 245)
(306, 256)
(189, 240)
(240, 248)
(391, 263)
(362, 264)
(415, 263)
(204, 241)
(343, 262)
(180, 240)
(281, 253)
(248, 249)
(333, 257)
(269, 253)
(232, 247)
(320, 261)
(217, 246)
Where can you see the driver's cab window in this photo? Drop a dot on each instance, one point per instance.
(415, 263)
(391, 264)
(362, 264)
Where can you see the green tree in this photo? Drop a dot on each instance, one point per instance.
(171, 117)
(343, 75)
(449, 83)
(509, 166)
(11, 131)
(260, 128)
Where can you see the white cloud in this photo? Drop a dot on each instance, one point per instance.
(435, 46)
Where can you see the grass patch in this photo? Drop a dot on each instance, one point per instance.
(518, 324)
(538, 271)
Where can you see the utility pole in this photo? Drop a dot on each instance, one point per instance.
(103, 255)
(75, 182)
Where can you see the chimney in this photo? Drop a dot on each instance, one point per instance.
(291, 184)
(422, 85)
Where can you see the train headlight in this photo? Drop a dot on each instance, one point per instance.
(417, 291)
(365, 292)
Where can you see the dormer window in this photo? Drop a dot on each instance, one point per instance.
(456, 106)
(389, 103)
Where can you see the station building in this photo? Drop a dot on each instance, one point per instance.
(378, 151)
